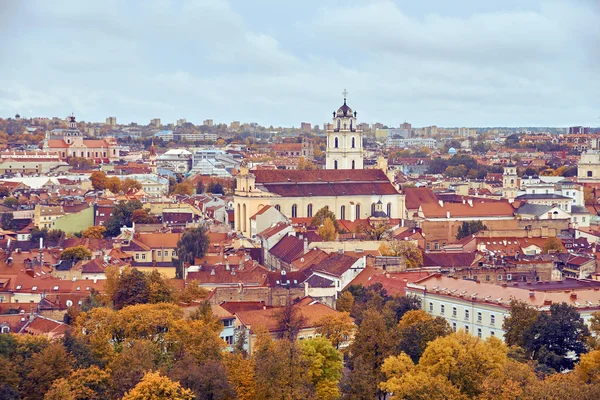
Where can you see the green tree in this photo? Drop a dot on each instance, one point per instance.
(325, 366)
(10, 202)
(522, 317)
(215, 188)
(6, 221)
(121, 215)
(132, 288)
(192, 244)
(319, 218)
(557, 339)
(469, 228)
(553, 245)
(417, 329)
(76, 253)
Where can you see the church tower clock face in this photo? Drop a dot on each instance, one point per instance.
(344, 140)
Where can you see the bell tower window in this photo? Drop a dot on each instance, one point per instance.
(336, 143)
(353, 140)
(335, 164)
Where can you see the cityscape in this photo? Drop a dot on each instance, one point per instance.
(381, 237)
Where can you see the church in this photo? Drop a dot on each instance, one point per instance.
(344, 186)
(71, 143)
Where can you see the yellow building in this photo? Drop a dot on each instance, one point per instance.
(44, 216)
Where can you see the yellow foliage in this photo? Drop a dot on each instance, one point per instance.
(327, 230)
(153, 386)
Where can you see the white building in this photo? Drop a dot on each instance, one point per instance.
(344, 140)
(480, 308)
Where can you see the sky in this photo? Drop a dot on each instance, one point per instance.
(433, 62)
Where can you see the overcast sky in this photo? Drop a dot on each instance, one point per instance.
(438, 62)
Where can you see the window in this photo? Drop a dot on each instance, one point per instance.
(427, 246)
(466, 314)
(343, 212)
(589, 174)
(353, 164)
(499, 277)
(442, 309)
(358, 211)
(492, 333)
(228, 340)
(294, 211)
(69, 303)
(478, 317)
(436, 246)
(34, 288)
(487, 278)
(430, 307)
(335, 141)
(492, 319)
(143, 256)
(454, 326)
(454, 311)
(467, 328)
(389, 210)
(277, 207)
(137, 256)
(309, 210)
(353, 142)
(228, 323)
(373, 209)
(335, 164)
(508, 277)
(478, 332)
(173, 253)
(159, 253)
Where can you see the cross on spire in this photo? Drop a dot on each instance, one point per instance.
(345, 93)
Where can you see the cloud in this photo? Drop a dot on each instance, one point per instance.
(472, 64)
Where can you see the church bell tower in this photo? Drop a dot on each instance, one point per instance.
(344, 140)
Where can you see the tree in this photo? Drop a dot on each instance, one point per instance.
(121, 215)
(215, 188)
(76, 253)
(113, 184)
(405, 249)
(129, 366)
(44, 368)
(4, 192)
(337, 329)
(469, 228)
(10, 202)
(90, 383)
(155, 386)
(514, 380)
(143, 216)
(192, 244)
(345, 302)
(159, 289)
(94, 232)
(553, 245)
(464, 360)
(417, 329)
(327, 231)
(132, 288)
(557, 339)
(521, 319)
(289, 322)
(325, 366)
(6, 221)
(319, 218)
(192, 291)
(184, 189)
(200, 187)
(304, 164)
(130, 184)
(99, 180)
(241, 376)
(207, 380)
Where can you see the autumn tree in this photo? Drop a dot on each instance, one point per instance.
(337, 328)
(192, 291)
(76, 253)
(304, 164)
(90, 383)
(143, 216)
(129, 366)
(325, 366)
(44, 368)
(94, 232)
(192, 244)
(241, 376)
(183, 188)
(345, 302)
(327, 231)
(132, 288)
(400, 248)
(155, 386)
(99, 180)
(130, 184)
(289, 322)
(113, 184)
(552, 245)
(519, 322)
(207, 380)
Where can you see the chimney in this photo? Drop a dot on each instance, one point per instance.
(448, 214)
(464, 201)
(305, 245)
(441, 202)
(470, 201)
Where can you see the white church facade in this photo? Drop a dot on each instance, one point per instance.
(347, 189)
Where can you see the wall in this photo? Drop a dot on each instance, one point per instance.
(76, 222)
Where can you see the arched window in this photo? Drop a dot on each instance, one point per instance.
(309, 211)
(589, 174)
(338, 125)
(389, 210)
(353, 164)
(336, 143)
(358, 211)
(294, 211)
(343, 212)
(334, 164)
(351, 126)
(353, 142)
(372, 208)
(277, 207)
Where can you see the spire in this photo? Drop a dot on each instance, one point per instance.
(345, 94)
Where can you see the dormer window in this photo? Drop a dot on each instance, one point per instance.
(34, 288)
(18, 287)
(55, 288)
